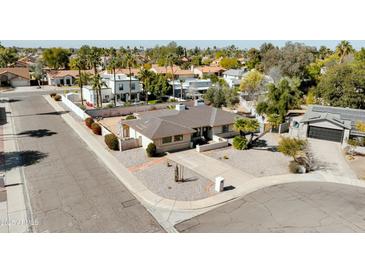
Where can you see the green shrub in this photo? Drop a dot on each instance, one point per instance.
(239, 142)
(110, 105)
(89, 121)
(151, 150)
(57, 97)
(130, 117)
(96, 128)
(83, 107)
(111, 141)
(53, 94)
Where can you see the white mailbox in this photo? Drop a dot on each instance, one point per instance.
(219, 184)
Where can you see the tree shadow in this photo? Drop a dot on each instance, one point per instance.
(20, 159)
(14, 100)
(38, 133)
(260, 144)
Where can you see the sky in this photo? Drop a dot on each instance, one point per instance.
(185, 43)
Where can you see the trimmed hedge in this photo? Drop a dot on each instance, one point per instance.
(96, 128)
(151, 150)
(53, 94)
(130, 117)
(89, 121)
(111, 141)
(57, 97)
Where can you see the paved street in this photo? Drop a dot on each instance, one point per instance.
(295, 207)
(70, 189)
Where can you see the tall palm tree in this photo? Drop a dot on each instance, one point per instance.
(113, 64)
(343, 49)
(170, 61)
(96, 84)
(130, 61)
(83, 79)
(145, 76)
(94, 60)
(181, 88)
(81, 64)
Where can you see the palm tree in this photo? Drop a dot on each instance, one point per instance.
(181, 88)
(247, 126)
(94, 60)
(145, 76)
(83, 79)
(113, 64)
(130, 61)
(81, 64)
(170, 61)
(96, 84)
(343, 49)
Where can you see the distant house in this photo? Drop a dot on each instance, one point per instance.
(177, 129)
(62, 77)
(233, 76)
(90, 95)
(120, 86)
(178, 72)
(14, 77)
(208, 71)
(24, 62)
(328, 123)
(191, 88)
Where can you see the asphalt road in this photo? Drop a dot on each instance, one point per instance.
(295, 207)
(71, 190)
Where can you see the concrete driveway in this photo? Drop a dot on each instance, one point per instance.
(330, 158)
(295, 207)
(210, 168)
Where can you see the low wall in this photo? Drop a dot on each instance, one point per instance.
(129, 144)
(121, 111)
(211, 146)
(78, 111)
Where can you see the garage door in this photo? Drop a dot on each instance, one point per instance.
(325, 134)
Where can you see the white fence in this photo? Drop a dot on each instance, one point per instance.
(78, 111)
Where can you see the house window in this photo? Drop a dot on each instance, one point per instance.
(133, 86)
(225, 128)
(121, 87)
(178, 138)
(167, 140)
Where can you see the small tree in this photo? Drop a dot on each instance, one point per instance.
(240, 142)
(247, 126)
(151, 150)
(291, 147)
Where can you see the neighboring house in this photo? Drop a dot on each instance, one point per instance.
(206, 71)
(25, 62)
(172, 130)
(233, 76)
(328, 123)
(192, 88)
(14, 77)
(178, 72)
(62, 77)
(90, 95)
(120, 86)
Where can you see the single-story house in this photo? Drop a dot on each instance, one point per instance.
(328, 123)
(233, 76)
(208, 70)
(15, 77)
(62, 77)
(180, 128)
(178, 72)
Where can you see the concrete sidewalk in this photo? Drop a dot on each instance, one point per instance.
(15, 211)
(169, 212)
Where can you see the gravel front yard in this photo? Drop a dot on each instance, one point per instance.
(259, 162)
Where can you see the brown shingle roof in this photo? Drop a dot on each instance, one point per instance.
(18, 71)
